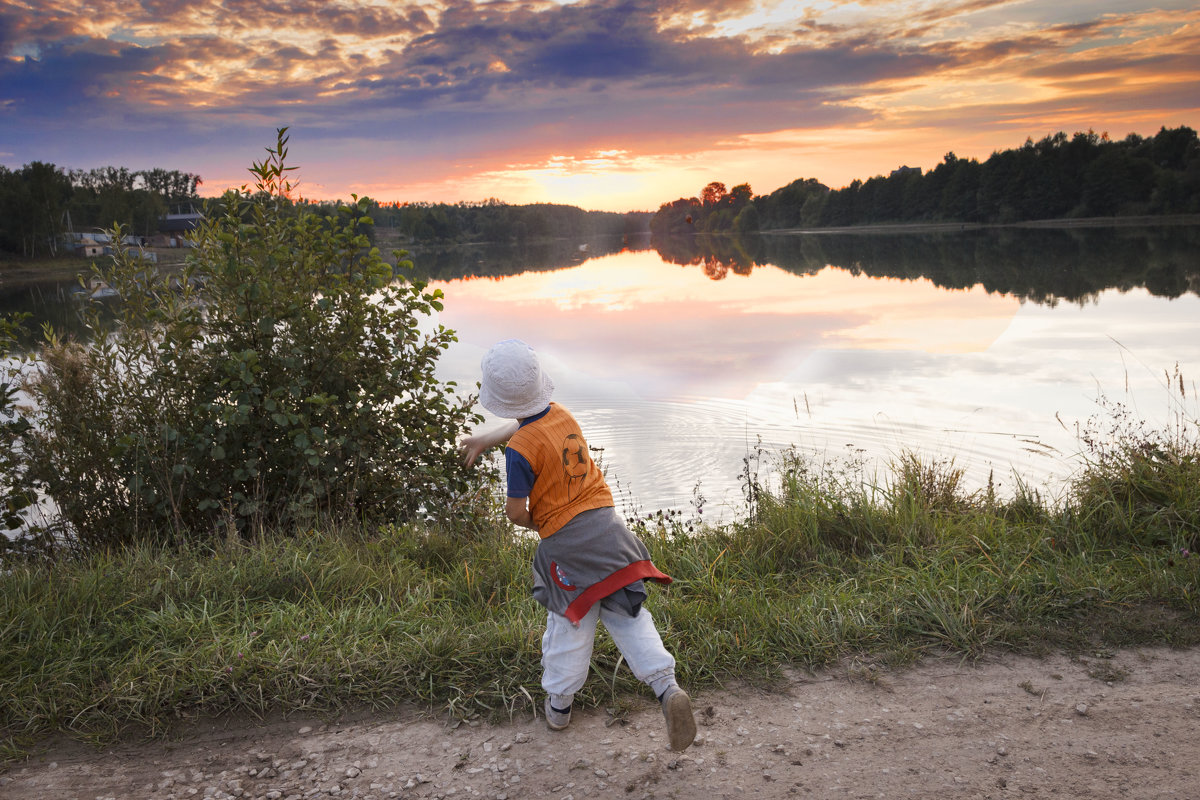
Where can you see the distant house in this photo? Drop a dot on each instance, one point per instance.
(98, 243)
(175, 226)
(904, 170)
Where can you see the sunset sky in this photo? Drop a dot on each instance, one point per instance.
(606, 104)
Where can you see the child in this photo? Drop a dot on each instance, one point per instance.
(588, 565)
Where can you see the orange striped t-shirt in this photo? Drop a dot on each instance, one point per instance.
(566, 479)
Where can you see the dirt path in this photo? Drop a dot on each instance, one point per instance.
(1124, 726)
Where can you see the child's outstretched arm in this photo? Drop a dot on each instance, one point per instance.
(472, 447)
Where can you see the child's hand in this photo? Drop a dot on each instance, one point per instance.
(471, 448)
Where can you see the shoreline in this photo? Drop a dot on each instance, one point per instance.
(955, 227)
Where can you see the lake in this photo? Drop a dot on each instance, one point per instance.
(991, 348)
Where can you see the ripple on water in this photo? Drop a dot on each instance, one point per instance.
(659, 454)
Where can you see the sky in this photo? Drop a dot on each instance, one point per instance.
(605, 104)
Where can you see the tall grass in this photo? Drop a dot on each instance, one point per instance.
(828, 566)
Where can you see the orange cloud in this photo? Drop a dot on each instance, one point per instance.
(604, 104)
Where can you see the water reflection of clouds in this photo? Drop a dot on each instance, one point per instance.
(669, 331)
(677, 376)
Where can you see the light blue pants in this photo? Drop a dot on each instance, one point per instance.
(567, 652)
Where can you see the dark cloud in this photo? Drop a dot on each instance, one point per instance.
(459, 75)
(65, 73)
(509, 56)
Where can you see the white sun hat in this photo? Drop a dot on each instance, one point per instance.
(514, 386)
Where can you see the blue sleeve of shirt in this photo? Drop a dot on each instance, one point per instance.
(519, 472)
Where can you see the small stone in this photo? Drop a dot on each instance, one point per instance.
(1002, 750)
(1081, 709)
(353, 772)
(305, 729)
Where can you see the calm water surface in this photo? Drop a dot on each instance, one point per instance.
(990, 348)
(679, 370)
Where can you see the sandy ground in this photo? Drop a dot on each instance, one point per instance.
(1122, 725)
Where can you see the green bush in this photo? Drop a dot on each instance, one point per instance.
(16, 492)
(283, 376)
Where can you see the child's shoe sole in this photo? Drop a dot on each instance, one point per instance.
(681, 722)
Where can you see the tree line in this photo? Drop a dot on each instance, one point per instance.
(1084, 175)
(495, 221)
(40, 202)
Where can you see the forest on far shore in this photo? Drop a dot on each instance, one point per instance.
(41, 204)
(1059, 177)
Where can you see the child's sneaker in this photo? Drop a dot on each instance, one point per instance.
(557, 720)
(681, 723)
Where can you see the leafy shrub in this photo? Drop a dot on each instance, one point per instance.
(15, 492)
(282, 376)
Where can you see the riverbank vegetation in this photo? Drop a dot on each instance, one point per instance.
(825, 565)
(1058, 177)
(282, 375)
(260, 510)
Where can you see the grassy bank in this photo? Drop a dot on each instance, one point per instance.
(822, 568)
